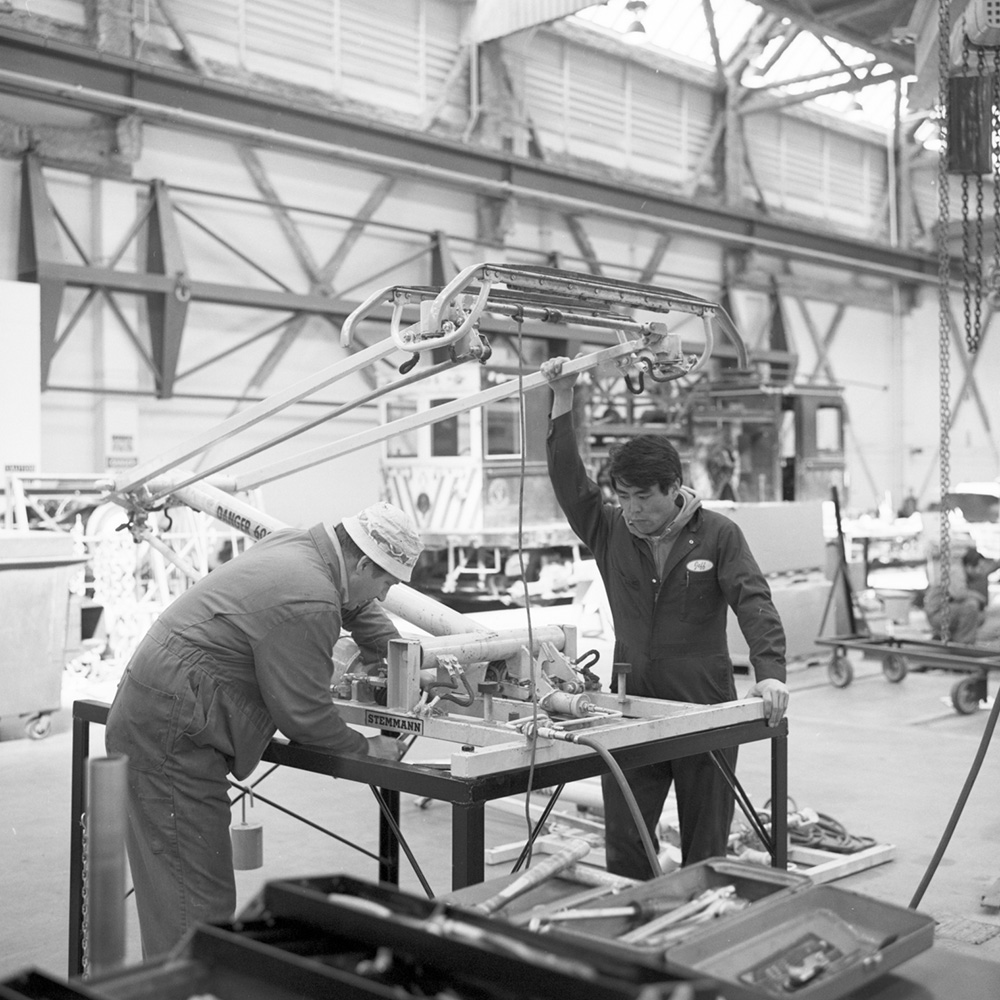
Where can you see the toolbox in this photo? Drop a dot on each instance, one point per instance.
(791, 938)
(339, 937)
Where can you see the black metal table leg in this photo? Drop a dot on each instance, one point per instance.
(388, 843)
(468, 844)
(779, 799)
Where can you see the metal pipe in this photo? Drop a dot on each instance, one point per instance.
(410, 605)
(89, 97)
(135, 478)
(335, 411)
(426, 613)
(228, 509)
(107, 777)
(481, 647)
(168, 553)
(268, 473)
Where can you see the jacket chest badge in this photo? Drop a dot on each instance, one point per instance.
(700, 565)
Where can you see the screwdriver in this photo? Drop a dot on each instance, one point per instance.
(645, 909)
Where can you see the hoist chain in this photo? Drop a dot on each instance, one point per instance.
(995, 160)
(944, 283)
(967, 243)
(974, 331)
(84, 904)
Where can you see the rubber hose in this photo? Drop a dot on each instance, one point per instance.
(959, 805)
(633, 806)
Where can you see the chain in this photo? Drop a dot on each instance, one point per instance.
(84, 909)
(944, 283)
(973, 332)
(966, 224)
(995, 161)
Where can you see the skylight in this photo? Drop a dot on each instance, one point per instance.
(679, 28)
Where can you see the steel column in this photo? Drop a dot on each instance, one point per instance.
(167, 310)
(39, 251)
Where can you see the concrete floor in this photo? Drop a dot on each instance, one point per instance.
(887, 760)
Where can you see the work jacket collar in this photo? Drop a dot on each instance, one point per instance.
(326, 541)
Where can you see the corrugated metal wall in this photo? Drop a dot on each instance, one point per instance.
(806, 169)
(593, 105)
(381, 52)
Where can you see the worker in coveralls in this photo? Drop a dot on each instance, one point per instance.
(245, 651)
(672, 571)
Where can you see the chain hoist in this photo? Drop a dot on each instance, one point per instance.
(968, 113)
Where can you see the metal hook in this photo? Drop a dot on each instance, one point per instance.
(182, 290)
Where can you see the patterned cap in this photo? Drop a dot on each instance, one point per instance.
(387, 536)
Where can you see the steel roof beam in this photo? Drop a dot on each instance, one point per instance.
(76, 76)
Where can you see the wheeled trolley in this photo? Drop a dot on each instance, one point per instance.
(900, 655)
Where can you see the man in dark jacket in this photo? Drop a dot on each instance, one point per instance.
(672, 571)
(245, 651)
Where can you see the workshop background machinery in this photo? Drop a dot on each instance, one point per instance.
(175, 271)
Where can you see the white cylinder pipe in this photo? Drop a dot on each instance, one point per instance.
(475, 647)
(106, 863)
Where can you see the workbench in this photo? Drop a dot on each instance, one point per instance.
(468, 796)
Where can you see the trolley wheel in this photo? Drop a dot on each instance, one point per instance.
(894, 668)
(38, 727)
(965, 695)
(840, 671)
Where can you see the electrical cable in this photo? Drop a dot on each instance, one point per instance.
(533, 689)
(308, 822)
(744, 802)
(944, 361)
(390, 820)
(633, 806)
(542, 820)
(959, 805)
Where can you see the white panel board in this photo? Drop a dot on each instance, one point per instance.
(20, 377)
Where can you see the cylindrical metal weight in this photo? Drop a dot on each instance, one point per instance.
(248, 846)
(106, 788)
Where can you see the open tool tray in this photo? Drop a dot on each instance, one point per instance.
(750, 882)
(794, 939)
(859, 939)
(476, 954)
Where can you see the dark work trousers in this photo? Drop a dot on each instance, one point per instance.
(705, 807)
(178, 816)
